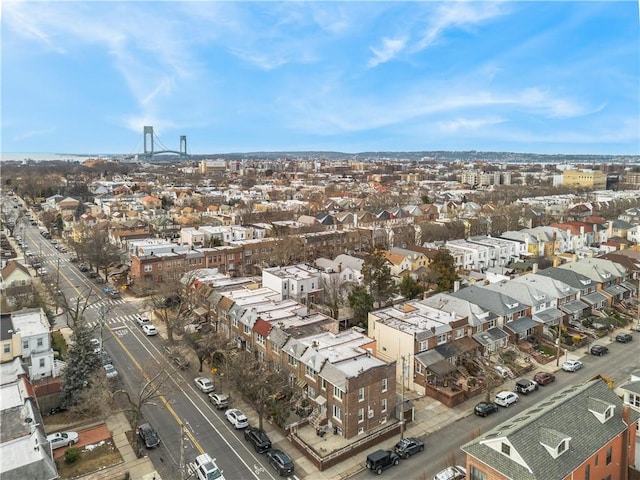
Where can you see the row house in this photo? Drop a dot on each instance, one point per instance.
(25, 334)
(607, 275)
(16, 286)
(301, 282)
(483, 323)
(404, 331)
(541, 306)
(472, 256)
(553, 241)
(501, 250)
(563, 294)
(539, 443)
(534, 247)
(587, 296)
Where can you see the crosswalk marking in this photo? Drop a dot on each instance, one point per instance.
(98, 304)
(121, 319)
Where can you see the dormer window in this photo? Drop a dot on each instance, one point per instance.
(554, 442)
(600, 409)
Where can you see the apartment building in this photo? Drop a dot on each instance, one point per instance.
(591, 179)
(301, 282)
(583, 431)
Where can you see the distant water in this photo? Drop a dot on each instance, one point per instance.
(44, 157)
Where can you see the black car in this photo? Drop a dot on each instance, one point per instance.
(483, 409)
(148, 436)
(525, 386)
(256, 437)
(408, 446)
(599, 350)
(624, 337)
(381, 460)
(281, 462)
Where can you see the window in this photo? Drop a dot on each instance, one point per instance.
(309, 372)
(562, 447)
(419, 368)
(506, 449)
(7, 348)
(42, 363)
(260, 339)
(337, 412)
(360, 415)
(337, 393)
(40, 342)
(361, 394)
(634, 400)
(323, 384)
(442, 339)
(260, 356)
(422, 346)
(311, 392)
(608, 413)
(609, 452)
(596, 460)
(384, 384)
(383, 405)
(587, 472)
(460, 333)
(25, 344)
(148, 268)
(292, 361)
(477, 474)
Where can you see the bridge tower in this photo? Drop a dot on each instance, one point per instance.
(148, 131)
(183, 145)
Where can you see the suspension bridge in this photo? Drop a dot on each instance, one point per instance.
(153, 146)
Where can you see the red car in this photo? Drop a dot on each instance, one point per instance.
(543, 378)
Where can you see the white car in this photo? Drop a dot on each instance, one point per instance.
(506, 398)
(571, 365)
(149, 329)
(110, 371)
(63, 439)
(204, 384)
(95, 343)
(142, 320)
(236, 418)
(42, 271)
(457, 472)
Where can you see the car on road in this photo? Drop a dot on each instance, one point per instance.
(281, 462)
(258, 438)
(456, 472)
(106, 358)
(95, 343)
(63, 439)
(598, 350)
(204, 384)
(483, 409)
(148, 435)
(624, 337)
(524, 386)
(544, 378)
(572, 365)
(506, 398)
(408, 446)
(380, 460)
(83, 267)
(236, 418)
(206, 469)
(149, 330)
(110, 371)
(219, 400)
(42, 271)
(142, 320)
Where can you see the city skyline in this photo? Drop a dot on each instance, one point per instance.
(539, 77)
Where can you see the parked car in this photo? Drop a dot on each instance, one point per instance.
(456, 472)
(110, 371)
(204, 384)
(176, 357)
(258, 438)
(42, 271)
(544, 378)
(148, 435)
(502, 371)
(95, 343)
(83, 268)
(483, 409)
(63, 439)
(624, 337)
(599, 350)
(281, 462)
(506, 398)
(142, 320)
(572, 365)
(380, 460)
(408, 446)
(219, 400)
(236, 418)
(525, 386)
(106, 358)
(149, 330)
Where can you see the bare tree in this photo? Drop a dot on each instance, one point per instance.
(170, 301)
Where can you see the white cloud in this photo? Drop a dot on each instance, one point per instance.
(389, 49)
(33, 133)
(462, 123)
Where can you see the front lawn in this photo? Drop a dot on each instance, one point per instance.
(92, 458)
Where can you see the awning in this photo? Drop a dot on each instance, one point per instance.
(320, 400)
(574, 307)
(488, 337)
(301, 383)
(441, 368)
(594, 298)
(521, 325)
(631, 287)
(616, 290)
(551, 316)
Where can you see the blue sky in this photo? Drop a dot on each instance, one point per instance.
(544, 77)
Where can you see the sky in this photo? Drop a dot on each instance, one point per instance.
(542, 77)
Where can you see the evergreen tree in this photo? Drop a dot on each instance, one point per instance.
(82, 363)
(410, 288)
(442, 271)
(376, 275)
(361, 302)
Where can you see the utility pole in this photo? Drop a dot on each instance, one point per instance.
(558, 342)
(181, 466)
(404, 358)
